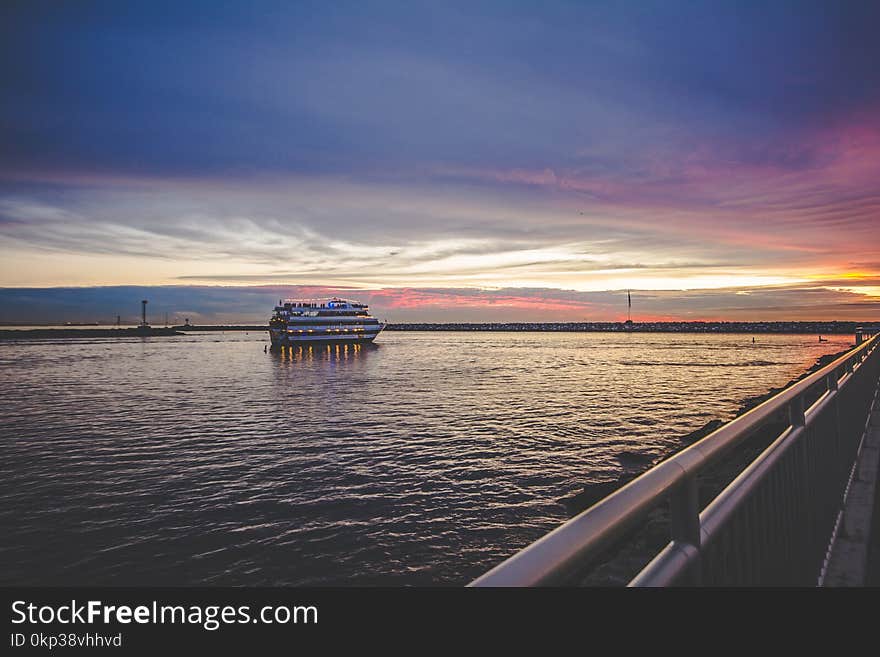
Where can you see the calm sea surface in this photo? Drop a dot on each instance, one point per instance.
(425, 459)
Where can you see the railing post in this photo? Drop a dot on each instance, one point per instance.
(797, 419)
(839, 451)
(685, 522)
(831, 381)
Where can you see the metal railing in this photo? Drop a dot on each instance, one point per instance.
(865, 332)
(770, 526)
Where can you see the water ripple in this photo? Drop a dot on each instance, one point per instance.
(427, 459)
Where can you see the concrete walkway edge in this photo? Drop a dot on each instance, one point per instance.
(848, 562)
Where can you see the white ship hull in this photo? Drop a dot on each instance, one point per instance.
(293, 336)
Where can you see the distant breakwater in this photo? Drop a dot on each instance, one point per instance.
(222, 327)
(822, 328)
(41, 334)
(829, 328)
(807, 328)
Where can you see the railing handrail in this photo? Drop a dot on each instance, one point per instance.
(549, 559)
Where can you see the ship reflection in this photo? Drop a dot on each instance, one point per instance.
(330, 353)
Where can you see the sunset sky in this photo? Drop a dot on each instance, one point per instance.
(441, 160)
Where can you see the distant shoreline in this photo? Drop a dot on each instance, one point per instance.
(829, 328)
(38, 334)
(20, 331)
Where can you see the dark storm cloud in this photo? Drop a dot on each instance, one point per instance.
(207, 86)
(569, 145)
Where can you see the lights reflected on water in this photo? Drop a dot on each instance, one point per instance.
(327, 352)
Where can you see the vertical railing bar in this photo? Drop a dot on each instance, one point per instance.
(685, 522)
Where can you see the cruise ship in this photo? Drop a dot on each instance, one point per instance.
(334, 320)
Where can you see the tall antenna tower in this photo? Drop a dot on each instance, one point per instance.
(629, 307)
(144, 312)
